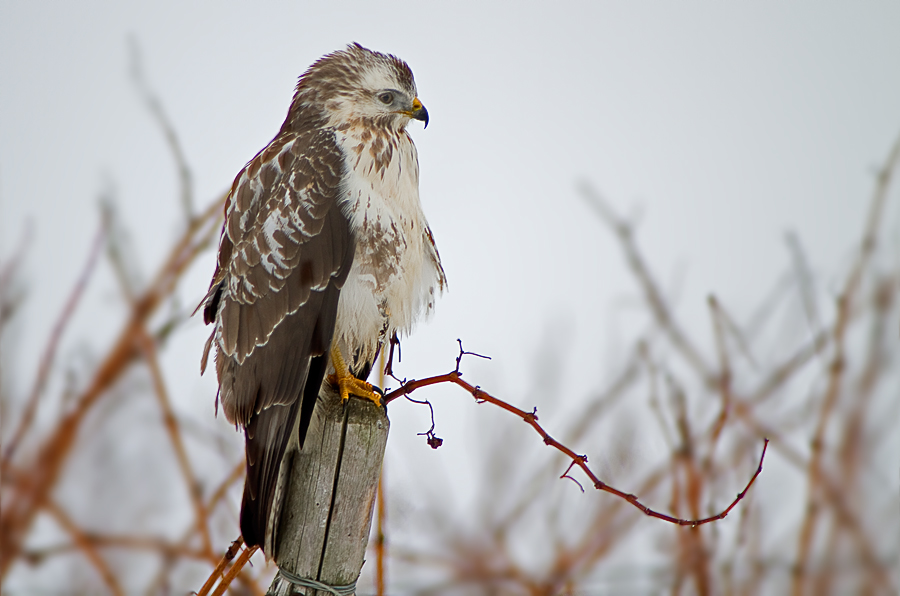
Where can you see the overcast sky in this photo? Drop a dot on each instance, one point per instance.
(722, 125)
(718, 126)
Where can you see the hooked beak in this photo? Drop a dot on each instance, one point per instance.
(419, 112)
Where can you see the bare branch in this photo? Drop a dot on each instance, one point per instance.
(43, 374)
(8, 272)
(216, 574)
(805, 282)
(118, 251)
(85, 546)
(652, 293)
(154, 105)
(148, 348)
(29, 492)
(837, 367)
(455, 377)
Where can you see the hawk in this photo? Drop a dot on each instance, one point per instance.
(324, 256)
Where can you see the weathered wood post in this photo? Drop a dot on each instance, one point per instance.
(327, 514)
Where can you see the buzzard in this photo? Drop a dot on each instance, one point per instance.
(324, 256)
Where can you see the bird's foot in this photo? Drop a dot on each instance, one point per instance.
(347, 384)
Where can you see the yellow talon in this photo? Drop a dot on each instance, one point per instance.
(346, 383)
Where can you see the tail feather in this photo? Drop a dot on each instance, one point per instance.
(267, 438)
(261, 504)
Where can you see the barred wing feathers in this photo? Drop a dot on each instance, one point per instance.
(286, 250)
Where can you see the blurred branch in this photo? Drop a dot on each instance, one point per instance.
(43, 374)
(85, 546)
(30, 491)
(718, 318)
(154, 105)
(837, 367)
(217, 496)
(791, 366)
(7, 275)
(122, 261)
(602, 533)
(731, 408)
(804, 282)
(653, 378)
(655, 300)
(148, 348)
(593, 411)
(161, 546)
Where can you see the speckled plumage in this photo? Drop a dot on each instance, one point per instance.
(324, 240)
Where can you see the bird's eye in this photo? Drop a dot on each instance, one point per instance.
(386, 98)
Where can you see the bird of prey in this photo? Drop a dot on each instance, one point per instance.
(324, 256)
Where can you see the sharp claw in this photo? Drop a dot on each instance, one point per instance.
(359, 388)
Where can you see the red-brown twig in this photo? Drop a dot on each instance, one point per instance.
(455, 377)
(220, 567)
(239, 564)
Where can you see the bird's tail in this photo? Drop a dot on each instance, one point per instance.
(268, 445)
(267, 438)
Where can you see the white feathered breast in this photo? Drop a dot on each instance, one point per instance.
(396, 273)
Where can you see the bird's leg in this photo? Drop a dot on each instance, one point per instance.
(346, 383)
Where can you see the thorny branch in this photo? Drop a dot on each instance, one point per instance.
(580, 461)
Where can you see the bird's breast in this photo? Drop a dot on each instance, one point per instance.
(394, 276)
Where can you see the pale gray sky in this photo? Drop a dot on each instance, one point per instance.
(725, 124)
(720, 125)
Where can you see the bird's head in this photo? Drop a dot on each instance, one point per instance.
(357, 85)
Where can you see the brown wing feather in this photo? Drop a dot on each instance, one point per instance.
(285, 252)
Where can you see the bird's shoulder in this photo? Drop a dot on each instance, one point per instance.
(278, 203)
(284, 237)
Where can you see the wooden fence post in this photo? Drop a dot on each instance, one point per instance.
(327, 514)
